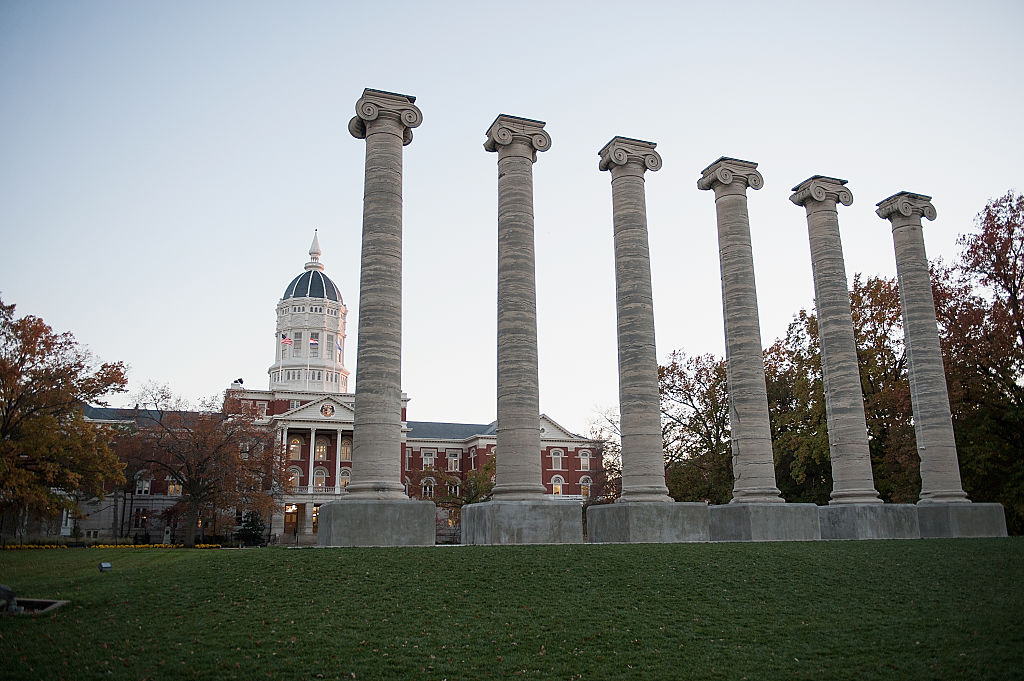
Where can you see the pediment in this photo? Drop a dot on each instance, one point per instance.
(326, 409)
(553, 431)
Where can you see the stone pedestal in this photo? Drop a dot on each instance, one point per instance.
(523, 522)
(764, 522)
(852, 480)
(933, 425)
(643, 459)
(376, 522)
(961, 520)
(869, 521)
(647, 522)
(753, 463)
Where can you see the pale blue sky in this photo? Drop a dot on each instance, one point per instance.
(163, 165)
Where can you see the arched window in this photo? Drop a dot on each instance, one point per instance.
(345, 478)
(323, 445)
(294, 475)
(319, 480)
(556, 459)
(295, 448)
(584, 460)
(428, 488)
(346, 449)
(585, 483)
(453, 489)
(557, 483)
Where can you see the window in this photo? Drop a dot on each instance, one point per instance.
(584, 460)
(316, 517)
(173, 489)
(557, 483)
(428, 488)
(314, 344)
(295, 448)
(243, 451)
(346, 449)
(585, 483)
(408, 460)
(453, 456)
(141, 518)
(453, 489)
(556, 459)
(297, 347)
(428, 457)
(472, 458)
(292, 404)
(323, 445)
(319, 480)
(294, 476)
(142, 485)
(328, 345)
(345, 478)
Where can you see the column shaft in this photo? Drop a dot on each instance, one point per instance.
(518, 464)
(933, 424)
(753, 460)
(643, 460)
(852, 478)
(384, 120)
(312, 458)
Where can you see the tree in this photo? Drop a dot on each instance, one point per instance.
(606, 481)
(252, 530)
(695, 428)
(223, 458)
(49, 453)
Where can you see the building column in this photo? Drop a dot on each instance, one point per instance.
(643, 459)
(933, 424)
(518, 465)
(312, 458)
(337, 461)
(385, 120)
(852, 478)
(752, 459)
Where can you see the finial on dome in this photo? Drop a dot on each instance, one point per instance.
(314, 254)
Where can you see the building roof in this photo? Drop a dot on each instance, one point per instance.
(312, 284)
(431, 430)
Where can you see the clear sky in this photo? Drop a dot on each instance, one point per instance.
(163, 166)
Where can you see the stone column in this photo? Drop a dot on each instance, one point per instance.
(519, 512)
(337, 461)
(852, 478)
(377, 512)
(518, 465)
(752, 459)
(643, 459)
(933, 425)
(385, 120)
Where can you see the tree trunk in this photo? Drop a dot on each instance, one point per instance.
(191, 517)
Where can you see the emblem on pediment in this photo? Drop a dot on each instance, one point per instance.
(327, 410)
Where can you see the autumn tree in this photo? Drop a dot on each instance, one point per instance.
(49, 453)
(695, 428)
(223, 457)
(606, 481)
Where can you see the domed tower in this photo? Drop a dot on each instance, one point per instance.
(310, 339)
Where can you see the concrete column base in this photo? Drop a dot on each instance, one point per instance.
(961, 520)
(869, 521)
(764, 522)
(648, 522)
(523, 522)
(376, 522)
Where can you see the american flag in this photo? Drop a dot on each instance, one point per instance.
(285, 340)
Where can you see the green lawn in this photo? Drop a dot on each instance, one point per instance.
(926, 609)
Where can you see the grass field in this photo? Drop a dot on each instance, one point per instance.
(928, 609)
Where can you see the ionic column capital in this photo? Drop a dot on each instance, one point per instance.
(514, 136)
(730, 176)
(821, 189)
(380, 107)
(904, 205)
(628, 156)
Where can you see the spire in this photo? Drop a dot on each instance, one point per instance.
(314, 255)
